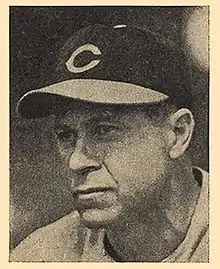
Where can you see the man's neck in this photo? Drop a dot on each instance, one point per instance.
(165, 225)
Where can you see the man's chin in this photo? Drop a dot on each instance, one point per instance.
(99, 218)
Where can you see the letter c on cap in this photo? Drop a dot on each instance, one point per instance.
(87, 47)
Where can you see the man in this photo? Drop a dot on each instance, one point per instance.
(121, 98)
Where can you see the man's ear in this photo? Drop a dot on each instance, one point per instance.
(180, 131)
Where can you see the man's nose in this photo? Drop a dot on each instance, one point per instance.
(82, 162)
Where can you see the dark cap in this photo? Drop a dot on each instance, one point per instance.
(113, 65)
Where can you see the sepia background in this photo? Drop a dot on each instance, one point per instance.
(39, 190)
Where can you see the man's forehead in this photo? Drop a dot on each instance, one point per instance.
(87, 112)
(80, 113)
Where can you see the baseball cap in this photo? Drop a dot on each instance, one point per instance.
(113, 65)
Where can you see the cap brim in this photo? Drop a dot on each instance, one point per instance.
(39, 103)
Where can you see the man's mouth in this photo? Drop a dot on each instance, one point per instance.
(84, 191)
(95, 197)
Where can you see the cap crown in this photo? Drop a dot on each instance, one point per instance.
(126, 54)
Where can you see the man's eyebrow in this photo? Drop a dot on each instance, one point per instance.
(91, 118)
(102, 115)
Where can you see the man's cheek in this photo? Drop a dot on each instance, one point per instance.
(135, 168)
(65, 153)
(130, 161)
(125, 168)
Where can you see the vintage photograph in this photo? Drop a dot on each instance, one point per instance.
(109, 134)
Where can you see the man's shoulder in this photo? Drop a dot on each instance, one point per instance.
(201, 254)
(61, 240)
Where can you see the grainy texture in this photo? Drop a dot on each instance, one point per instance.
(40, 191)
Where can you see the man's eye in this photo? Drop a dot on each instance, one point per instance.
(64, 136)
(105, 129)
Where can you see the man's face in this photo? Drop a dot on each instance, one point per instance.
(117, 161)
